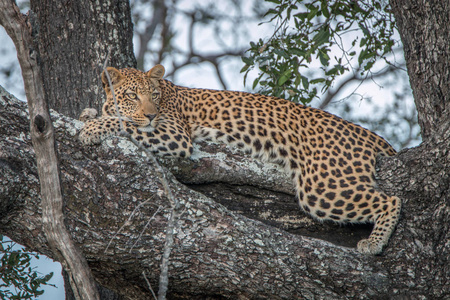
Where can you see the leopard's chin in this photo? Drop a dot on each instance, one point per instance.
(148, 128)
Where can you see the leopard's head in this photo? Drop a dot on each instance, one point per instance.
(137, 93)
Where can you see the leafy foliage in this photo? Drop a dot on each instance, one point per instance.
(18, 279)
(306, 34)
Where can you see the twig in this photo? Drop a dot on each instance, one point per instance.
(145, 227)
(164, 276)
(127, 221)
(149, 285)
(112, 90)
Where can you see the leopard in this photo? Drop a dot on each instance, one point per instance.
(330, 160)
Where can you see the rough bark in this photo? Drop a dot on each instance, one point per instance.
(117, 213)
(424, 28)
(73, 38)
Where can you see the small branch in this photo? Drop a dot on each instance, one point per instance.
(146, 225)
(157, 18)
(331, 94)
(354, 77)
(127, 222)
(149, 285)
(164, 277)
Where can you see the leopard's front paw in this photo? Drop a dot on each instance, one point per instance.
(88, 139)
(369, 246)
(88, 114)
(90, 135)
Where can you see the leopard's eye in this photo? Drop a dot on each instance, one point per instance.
(155, 95)
(132, 96)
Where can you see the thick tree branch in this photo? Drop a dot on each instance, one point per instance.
(217, 251)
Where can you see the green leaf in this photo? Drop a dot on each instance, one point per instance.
(324, 9)
(322, 37)
(313, 11)
(298, 52)
(369, 65)
(271, 12)
(256, 81)
(282, 53)
(323, 57)
(364, 30)
(13, 259)
(248, 60)
(317, 80)
(244, 68)
(284, 77)
(363, 42)
(305, 82)
(362, 56)
(301, 16)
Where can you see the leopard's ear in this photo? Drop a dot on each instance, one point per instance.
(116, 77)
(156, 73)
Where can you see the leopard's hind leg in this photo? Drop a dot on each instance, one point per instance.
(385, 222)
(349, 201)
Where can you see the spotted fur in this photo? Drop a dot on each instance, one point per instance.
(330, 160)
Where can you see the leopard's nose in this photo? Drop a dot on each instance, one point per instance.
(150, 116)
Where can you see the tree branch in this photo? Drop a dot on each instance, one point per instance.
(329, 96)
(218, 251)
(158, 18)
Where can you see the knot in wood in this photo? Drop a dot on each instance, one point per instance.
(40, 123)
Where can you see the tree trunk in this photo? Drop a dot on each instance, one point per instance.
(73, 38)
(425, 31)
(117, 213)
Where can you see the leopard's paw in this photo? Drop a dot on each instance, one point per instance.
(88, 114)
(369, 246)
(90, 135)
